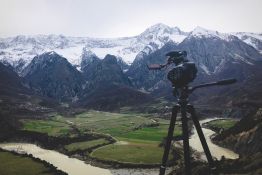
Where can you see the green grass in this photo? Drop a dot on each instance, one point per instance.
(52, 128)
(16, 165)
(139, 153)
(134, 126)
(142, 133)
(223, 123)
(155, 106)
(114, 124)
(85, 145)
(151, 133)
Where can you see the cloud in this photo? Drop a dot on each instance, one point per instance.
(114, 18)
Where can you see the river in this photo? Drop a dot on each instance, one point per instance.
(216, 151)
(74, 166)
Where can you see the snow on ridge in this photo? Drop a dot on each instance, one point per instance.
(252, 39)
(25, 48)
(240, 35)
(202, 32)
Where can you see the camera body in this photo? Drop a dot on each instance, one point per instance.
(182, 74)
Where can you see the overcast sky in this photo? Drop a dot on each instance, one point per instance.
(116, 18)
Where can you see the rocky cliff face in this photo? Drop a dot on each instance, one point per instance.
(10, 81)
(102, 73)
(53, 76)
(246, 136)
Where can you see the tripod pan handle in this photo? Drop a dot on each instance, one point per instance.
(227, 81)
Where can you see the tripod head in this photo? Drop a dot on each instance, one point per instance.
(184, 71)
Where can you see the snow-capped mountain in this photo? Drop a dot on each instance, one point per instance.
(253, 39)
(48, 62)
(20, 50)
(211, 50)
(215, 55)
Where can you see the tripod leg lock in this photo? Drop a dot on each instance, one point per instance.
(190, 108)
(162, 170)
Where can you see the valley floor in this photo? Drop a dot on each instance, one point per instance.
(108, 140)
(127, 137)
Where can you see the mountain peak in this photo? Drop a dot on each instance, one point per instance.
(47, 57)
(110, 59)
(161, 28)
(161, 34)
(159, 25)
(87, 58)
(202, 32)
(87, 53)
(50, 55)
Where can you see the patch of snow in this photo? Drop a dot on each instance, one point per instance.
(242, 59)
(220, 65)
(78, 68)
(72, 54)
(178, 38)
(204, 68)
(51, 53)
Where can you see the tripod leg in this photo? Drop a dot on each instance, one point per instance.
(169, 139)
(186, 141)
(201, 135)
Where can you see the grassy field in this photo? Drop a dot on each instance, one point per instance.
(139, 152)
(52, 128)
(141, 134)
(85, 145)
(151, 133)
(222, 123)
(108, 123)
(16, 165)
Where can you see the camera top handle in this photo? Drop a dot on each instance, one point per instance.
(174, 57)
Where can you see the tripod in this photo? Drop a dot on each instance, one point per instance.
(183, 106)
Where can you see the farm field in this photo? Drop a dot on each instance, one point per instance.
(85, 145)
(131, 152)
(222, 123)
(15, 164)
(50, 127)
(138, 136)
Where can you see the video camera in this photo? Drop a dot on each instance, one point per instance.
(184, 71)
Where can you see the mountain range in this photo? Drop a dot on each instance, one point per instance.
(20, 50)
(81, 69)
